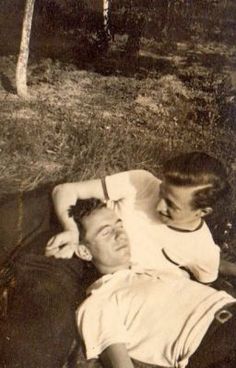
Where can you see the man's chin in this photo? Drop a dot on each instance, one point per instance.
(124, 249)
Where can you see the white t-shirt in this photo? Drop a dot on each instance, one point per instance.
(161, 321)
(134, 196)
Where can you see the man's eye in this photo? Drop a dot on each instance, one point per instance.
(106, 232)
(169, 204)
(172, 207)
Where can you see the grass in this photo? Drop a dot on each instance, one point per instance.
(115, 114)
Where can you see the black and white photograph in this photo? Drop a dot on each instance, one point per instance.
(117, 184)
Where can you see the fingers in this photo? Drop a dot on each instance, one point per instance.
(61, 251)
(65, 252)
(50, 242)
(66, 237)
(55, 242)
(53, 246)
(51, 251)
(58, 253)
(62, 245)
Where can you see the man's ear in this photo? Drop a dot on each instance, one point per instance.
(206, 211)
(83, 252)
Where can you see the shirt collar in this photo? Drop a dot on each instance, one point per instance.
(109, 280)
(186, 230)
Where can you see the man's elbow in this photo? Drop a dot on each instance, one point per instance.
(56, 189)
(61, 190)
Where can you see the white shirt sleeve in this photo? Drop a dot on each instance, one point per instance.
(100, 325)
(198, 253)
(131, 184)
(204, 269)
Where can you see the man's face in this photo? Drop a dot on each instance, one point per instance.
(175, 206)
(106, 238)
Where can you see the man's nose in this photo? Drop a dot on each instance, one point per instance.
(161, 206)
(119, 232)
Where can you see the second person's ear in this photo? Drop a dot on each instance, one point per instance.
(206, 211)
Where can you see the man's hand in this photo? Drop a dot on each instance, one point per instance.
(63, 245)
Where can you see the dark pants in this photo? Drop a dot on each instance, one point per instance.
(39, 328)
(218, 347)
(23, 216)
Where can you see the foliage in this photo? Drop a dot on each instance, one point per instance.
(165, 20)
(67, 15)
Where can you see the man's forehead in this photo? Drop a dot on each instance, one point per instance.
(100, 216)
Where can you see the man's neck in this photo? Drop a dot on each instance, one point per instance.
(105, 270)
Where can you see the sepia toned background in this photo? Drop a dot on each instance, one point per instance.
(160, 82)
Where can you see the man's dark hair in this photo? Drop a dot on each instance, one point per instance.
(82, 209)
(195, 169)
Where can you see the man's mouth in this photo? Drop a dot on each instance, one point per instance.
(164, 215)
(122, 246)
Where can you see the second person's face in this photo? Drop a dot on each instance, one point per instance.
(175, 206)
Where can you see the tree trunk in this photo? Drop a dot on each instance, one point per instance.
(21, 69)
(106, 16)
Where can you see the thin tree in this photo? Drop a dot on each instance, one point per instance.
(21, 69)
(106, 5)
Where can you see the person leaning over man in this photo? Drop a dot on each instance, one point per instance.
(164, 219)
(133, 313)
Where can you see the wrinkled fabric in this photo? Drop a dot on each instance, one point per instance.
(218, 347)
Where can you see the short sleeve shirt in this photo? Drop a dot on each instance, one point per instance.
(134, 196)
(160, 321)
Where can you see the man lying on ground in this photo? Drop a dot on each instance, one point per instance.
(135, 313)
(164, 220)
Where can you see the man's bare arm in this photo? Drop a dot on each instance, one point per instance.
(116, 356)
(227, 268)
(64, 196)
